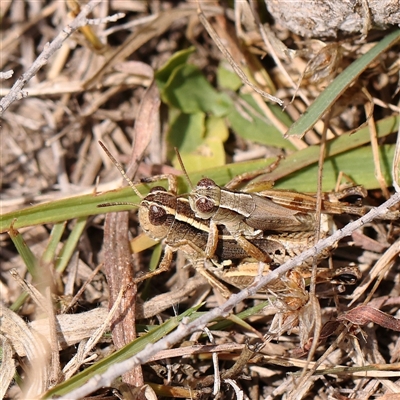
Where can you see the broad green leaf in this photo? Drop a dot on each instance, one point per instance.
(188, 90)
(186, 132)
(228, 79)
(249, 122)
(210, 151)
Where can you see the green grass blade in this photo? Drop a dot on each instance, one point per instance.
(49, 254)
(25, 252)
(70, 245)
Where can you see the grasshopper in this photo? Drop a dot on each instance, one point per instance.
(165, 216)
(248, 215)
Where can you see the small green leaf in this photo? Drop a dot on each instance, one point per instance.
(188, 90)
(177, 59)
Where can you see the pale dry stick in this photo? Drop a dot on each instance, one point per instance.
(185, 329)
(380, 103)
(128, 26)
(396, 163)
(217, 376)
(375, 150)
(44, 302)
(36, 366)
(110, 18)
(272, 52)
(7, 369)
(238, 391)
(231, 61)
(16, 92)
(55, 366)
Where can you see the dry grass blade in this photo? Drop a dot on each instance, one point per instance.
(85, 347)
(365, 314)
(386, 261)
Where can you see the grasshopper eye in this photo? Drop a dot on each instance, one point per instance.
(157, 215)
(346, 279)
(204, 205)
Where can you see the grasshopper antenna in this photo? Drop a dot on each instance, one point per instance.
(120, 169)
(183, 168)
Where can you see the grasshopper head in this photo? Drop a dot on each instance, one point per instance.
(157, 213)
(204, 199)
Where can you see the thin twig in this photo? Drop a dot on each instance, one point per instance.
(111, 18)
(396, 163)
(6, 75)
(16, 92)
(232, 62)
